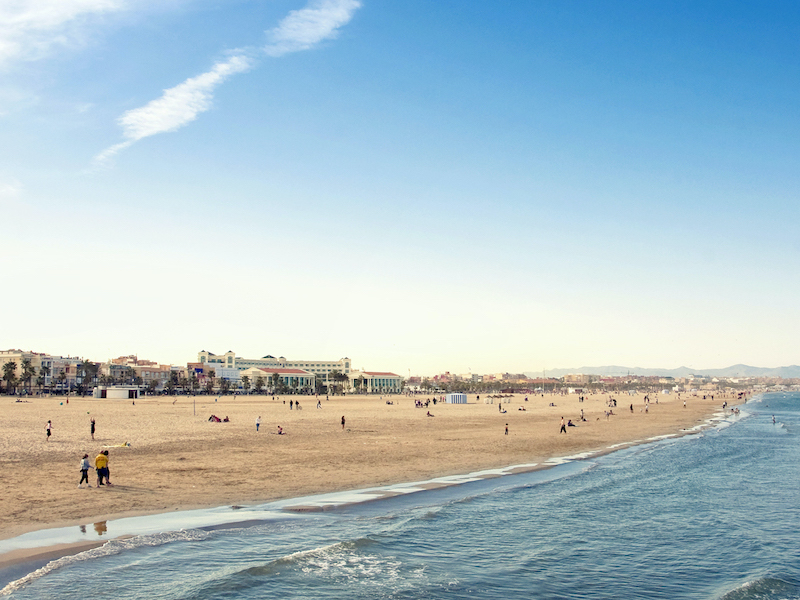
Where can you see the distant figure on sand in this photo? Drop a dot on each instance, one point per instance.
(506, 429)
(92, 427)
(291, 404)
(429, 414)
(342, 421)
(258, 423)
(47, 429)
(85, 471)
(563, 426)
(280, 430)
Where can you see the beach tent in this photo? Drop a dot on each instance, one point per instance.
(456, 398)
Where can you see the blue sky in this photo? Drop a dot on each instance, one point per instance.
(419, 186)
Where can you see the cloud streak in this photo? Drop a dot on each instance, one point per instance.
(303, 29)
(176, 107)
(30, 29)
(300, 30)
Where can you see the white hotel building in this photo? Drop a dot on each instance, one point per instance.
(229, 361)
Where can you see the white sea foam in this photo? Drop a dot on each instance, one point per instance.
(110, 548)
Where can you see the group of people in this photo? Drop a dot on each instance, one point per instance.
(258, 424)
(100, 466)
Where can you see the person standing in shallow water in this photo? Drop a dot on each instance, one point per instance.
(563, 426)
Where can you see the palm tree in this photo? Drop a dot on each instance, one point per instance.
(193, 382)
(182, 381)
(259, 384)
(246, 384)
(210, 381)
(276, 378)
(28, 371)
(10, 376)
(61, 378)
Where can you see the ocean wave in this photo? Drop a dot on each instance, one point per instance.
(346, 561)
(764, 588)
(110, 548)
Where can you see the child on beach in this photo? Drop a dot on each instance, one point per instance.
(47, 429)
(84, 472)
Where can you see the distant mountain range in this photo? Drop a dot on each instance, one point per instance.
(789, 372)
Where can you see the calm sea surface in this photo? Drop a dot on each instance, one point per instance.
(714, 515)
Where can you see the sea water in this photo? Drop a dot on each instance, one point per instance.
(712, 515)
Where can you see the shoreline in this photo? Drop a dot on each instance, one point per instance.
(318, 502)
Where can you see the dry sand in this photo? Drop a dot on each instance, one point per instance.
(179, 460)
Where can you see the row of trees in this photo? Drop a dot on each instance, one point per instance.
(88, 375)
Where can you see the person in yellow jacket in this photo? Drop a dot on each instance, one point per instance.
(101, 466)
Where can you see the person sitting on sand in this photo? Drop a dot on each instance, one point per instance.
(571, 424)
(429, 414)
(280, 430)
(226, 419)
(521, 408)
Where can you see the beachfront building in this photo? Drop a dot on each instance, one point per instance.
(231, 367)
(281, 379)
(132, 369)
(375, 382)
(319, 368)
(51, 372)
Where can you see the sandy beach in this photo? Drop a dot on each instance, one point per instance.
(178, 459)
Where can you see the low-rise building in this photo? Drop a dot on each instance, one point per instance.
(375, 382)
(288, 378)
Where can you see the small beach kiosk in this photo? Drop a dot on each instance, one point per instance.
(456, 398)
(116, 392)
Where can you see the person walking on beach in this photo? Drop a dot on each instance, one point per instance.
(319, 404)
(84, 472)
(506, 428)
(563, 426)
(47, 429)
(291, 404)
(101, 466)
(258, 422)
(91, 427)
(342, 422)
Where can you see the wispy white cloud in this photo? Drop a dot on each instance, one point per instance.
(303, 29)
(176, 107)
(31, 29)
(300, 30)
